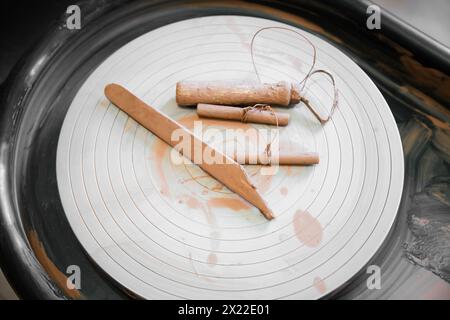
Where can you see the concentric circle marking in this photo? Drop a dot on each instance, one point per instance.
(162, 235)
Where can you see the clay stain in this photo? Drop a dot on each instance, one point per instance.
(212, 259)
(235, 204)
(284, 191)
(307, 228)
(319, 284)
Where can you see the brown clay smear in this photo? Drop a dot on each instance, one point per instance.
(423, 76)
(200, 179)
(284, 191)
(56, 275)
(235, 204)
(196, 178)
(104, 103)
(212, 259)
(307, 229)
(159, 154)
(262, 182)
(207, 206)
(319, 284)
(193, 203)
(428, 77)
(430, 102)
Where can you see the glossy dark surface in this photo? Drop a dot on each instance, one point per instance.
(411, 70)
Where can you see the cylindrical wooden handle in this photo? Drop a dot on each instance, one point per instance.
(190, 93)
(283, 158)
(240, 114)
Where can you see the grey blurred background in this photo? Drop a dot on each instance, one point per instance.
(432, 17)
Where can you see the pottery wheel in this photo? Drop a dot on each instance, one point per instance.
(170, 231)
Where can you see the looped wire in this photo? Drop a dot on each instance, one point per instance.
(335, 98)
(287, 29)
(262, 107)
(303, 82)
(258, 107)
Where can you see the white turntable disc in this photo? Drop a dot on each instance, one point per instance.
(167, 231)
